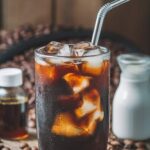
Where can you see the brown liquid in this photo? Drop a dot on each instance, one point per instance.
(62, 121)
(13, 115)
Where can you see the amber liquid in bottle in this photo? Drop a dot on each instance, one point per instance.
(13, 114)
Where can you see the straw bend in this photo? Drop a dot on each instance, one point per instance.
(101, 16)
(116, 3)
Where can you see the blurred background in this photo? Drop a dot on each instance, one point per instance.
(131, 21)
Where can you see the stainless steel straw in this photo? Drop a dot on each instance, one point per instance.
(101, 16)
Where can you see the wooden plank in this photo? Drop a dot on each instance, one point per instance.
(53, 13)
(18, 12)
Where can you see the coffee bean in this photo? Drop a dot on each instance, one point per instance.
(128, 142)
(34, 148)
(115, 143)
(27, 148)
(109, 147)
(140, 145)
(129, 147)
(1, 146)
(23, 145)
(113, 137)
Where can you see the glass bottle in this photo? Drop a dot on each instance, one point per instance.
(131, 105)
(13, 104)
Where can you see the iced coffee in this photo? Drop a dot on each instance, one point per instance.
(72, 96)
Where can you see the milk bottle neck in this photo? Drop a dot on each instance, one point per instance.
(135, 68)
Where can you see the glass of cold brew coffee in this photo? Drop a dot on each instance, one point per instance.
(72, 96)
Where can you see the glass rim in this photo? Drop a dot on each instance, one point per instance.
(103, 55)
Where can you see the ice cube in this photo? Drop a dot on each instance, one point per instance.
(57, 44)
(70, 102)
(93, 66)
(53, 47)
(41, 61)
(57, 49)
(89, 121)
(65, 125)
(65, 51)
(81, 49)
(78, 52)
(88, 124)
(98, 115)
(85, 109)
(93, 52)
(77, 82)
(55, 60)
(91, 102)
(46, 73)
(83, 45)
(94, 61)
(94, 96)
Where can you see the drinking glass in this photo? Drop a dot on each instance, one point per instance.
(72, 101)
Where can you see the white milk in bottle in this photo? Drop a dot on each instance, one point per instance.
(131, 104)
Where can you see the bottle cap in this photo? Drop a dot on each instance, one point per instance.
(10, 77)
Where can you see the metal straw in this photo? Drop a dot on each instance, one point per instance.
(101, 16)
